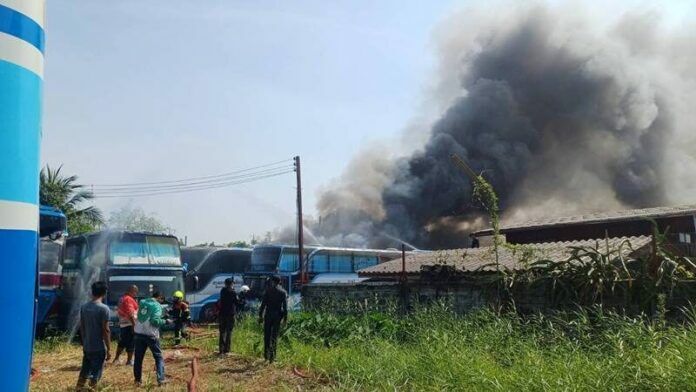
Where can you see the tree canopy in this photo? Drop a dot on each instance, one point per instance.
(136, 219)
(64, 193)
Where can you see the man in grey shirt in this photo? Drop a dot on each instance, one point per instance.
(96, 337)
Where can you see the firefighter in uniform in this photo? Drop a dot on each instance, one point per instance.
(180, 315)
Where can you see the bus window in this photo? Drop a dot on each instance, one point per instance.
(289, 262)
(265, 259)
(129, 252)
(74, 252)
(193, 257)
(49, 256)
(364, 262)
(319, 263)
(163, 250)
(341, 263)
(147, 250)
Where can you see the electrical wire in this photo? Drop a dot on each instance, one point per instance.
(195, 183)
(190, 184)
(191, 178)
(192, 189)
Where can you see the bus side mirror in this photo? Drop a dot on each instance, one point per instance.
(195, 282)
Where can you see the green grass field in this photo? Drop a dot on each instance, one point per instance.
(435, 350)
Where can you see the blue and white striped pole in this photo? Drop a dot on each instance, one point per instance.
(21, 75)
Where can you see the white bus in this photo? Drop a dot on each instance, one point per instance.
(208, 267)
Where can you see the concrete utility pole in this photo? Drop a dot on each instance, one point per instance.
(21, 80)
(300, 224)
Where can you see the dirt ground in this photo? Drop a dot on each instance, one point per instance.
(57, 370)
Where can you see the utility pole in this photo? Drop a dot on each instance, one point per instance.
(300, 225)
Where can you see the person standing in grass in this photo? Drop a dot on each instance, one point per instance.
(147, 335)
(227, 306)
(96, 337)
(127, 311)
(273, 311)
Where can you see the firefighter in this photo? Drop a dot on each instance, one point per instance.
(181, 316)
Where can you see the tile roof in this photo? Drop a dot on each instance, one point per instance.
(512, 257)
(600, 217)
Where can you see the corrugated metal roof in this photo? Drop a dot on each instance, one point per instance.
(511, 256)
(600, 217)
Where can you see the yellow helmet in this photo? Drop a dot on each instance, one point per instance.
(179, 294)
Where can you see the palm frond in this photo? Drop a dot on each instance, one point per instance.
(66, 194)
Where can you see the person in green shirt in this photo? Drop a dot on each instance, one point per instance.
(147, 335)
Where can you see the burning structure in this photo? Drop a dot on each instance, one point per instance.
(562, 112)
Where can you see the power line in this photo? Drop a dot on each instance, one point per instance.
(192, 178)
(191, 189)
(153, 188)
(184, 185)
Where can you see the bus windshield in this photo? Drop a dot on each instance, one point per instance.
(49, 255)
(193, 257)
(265, 259)
(145, 249)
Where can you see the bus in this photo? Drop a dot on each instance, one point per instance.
(121, 259)
(52, 232)
(208, 267)
(324, 265)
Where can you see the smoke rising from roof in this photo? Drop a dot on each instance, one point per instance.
(561, 113)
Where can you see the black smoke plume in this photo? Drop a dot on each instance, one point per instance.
(559, 115)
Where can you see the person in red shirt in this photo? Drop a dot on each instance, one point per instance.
(127, 311)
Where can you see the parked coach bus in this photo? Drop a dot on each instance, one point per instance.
(324, 264)
(52, 232)
(208, 267)
(120, 258)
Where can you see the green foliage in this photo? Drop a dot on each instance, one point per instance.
(433, 349)
(240, 244)
(67, 195)
(599, 272)
(135, 219)
(485, 194)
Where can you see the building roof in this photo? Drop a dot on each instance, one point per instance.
(512, 257)
(595, 218)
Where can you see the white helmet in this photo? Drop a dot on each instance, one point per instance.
(244, 289)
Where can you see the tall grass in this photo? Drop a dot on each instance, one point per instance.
(434, 349)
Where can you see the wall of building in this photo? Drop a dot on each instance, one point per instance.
(463, 297)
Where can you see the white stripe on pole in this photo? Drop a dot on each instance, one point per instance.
(16, 215)
(22, 53)
(31, 8)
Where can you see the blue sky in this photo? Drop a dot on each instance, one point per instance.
(139, 91)
(157, 90)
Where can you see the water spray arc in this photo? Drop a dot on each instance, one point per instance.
(21, 82)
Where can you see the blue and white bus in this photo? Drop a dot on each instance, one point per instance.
(208, 267)
(121, 259)
(324, 264)
(52, 232)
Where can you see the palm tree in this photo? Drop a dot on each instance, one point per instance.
(65, 194)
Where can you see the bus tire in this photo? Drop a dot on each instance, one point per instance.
(208, 314)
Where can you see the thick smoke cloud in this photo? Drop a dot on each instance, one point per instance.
(561, 113)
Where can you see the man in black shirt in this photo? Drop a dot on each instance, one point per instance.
(227, 305)
(274, 309)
